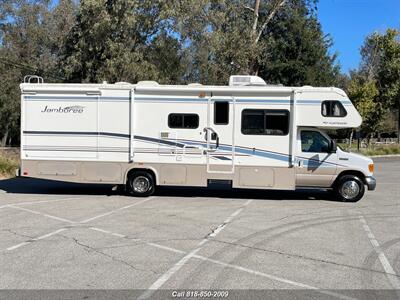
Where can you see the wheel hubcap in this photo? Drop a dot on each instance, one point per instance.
(349, 189)
(141, 184)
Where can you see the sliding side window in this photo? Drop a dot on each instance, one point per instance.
(265, 122)
(183, 121)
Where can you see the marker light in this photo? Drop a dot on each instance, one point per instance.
(371, 168)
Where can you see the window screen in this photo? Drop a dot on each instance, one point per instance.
(185, 121)
(265, 122)
(221, 112)
(333, 108)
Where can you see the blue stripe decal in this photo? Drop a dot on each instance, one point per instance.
(221, 157)
(75, 98)
(60, 97)
(256, 152)
(173, 99)
(238, 149)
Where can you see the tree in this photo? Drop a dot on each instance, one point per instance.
(388, 71)
(298, 51)
(32, 33)
(279, 40)
(111, 41)
(363, 93)
(380, 67)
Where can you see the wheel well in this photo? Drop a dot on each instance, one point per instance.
(350, 172)
(150, 171)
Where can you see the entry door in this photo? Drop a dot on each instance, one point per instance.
(316, 166)
(220, 135)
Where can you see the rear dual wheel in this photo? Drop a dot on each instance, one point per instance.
(140, 184)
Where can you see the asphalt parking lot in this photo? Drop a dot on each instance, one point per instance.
(87, 237)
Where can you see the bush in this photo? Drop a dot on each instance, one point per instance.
(9, 162)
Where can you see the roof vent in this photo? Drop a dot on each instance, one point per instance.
(147, 82)
(246, 80)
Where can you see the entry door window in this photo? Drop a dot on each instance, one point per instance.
(221, 113)
(313, 141)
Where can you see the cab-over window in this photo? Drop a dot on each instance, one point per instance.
(333, 108)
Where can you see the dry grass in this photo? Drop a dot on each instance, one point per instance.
(9, 162)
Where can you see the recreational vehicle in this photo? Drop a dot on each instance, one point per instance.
(248, 134)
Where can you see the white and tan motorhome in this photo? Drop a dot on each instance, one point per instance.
(248, 133)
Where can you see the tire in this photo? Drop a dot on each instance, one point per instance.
(140, 184)
(349, 188)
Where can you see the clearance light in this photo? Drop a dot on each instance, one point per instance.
(371, 168)
(25, 173)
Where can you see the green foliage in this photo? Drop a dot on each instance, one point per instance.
(32, 34)
(173, 42)
(282, 43)
(113, 41)
(364, 93)
(375, 87)
(296, 50)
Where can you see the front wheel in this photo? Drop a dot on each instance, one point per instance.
(349, 188)
(140, 184)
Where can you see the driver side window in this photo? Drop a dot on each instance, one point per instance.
(313, 141)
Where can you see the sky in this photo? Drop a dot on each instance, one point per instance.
(350, 21)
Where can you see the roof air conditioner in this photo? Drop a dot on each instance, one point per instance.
(246, 80)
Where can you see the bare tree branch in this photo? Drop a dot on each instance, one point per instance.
(256, 10)
(248, 7)
(274, 10)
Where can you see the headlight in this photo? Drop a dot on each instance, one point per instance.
(371, 168)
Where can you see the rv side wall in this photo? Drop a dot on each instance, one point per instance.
(185, 136)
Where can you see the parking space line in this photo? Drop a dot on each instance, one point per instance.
(147, 243)
(100, 230)
(272, 277)
(236, 267)
(166, 248)
(42, 214)
(36, 239)
(115, 210)
(177, 266)
(17, 246)
(108, 232)
(36, 202)
(390, 273)
(118, 235)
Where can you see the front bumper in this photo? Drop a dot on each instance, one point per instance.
(371, 183)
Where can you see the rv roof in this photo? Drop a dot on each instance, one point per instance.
(26, 87)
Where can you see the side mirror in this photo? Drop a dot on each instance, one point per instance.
(332, 147)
